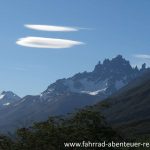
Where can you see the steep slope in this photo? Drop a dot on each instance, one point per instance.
(129, 110)
(66, 95)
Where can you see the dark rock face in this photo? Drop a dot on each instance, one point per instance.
(129, 109)
(66, 95)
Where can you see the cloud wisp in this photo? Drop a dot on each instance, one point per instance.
(51, 28)
(41, 42)
(142, 56)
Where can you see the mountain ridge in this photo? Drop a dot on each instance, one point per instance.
(113, 70)
(66, 95)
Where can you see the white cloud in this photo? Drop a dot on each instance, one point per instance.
(142, 56)
(40, 42)
(51, 28)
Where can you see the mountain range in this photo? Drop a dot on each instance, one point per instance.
(66, 95)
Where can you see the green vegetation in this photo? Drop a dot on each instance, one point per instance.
(84, 125)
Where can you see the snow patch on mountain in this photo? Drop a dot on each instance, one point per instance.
(8, 98)
(86, 86)
(6, 104)
(1, 96)
(94, 92)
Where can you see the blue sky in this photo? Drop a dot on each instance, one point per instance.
(113, 27)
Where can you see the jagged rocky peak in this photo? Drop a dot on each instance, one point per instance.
(117, 63)
(8, 97)
(107, 77)
(68, 94)
(7, 94)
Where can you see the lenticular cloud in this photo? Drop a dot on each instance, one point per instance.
(40, 42)
(51, 28)
(142, 56)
